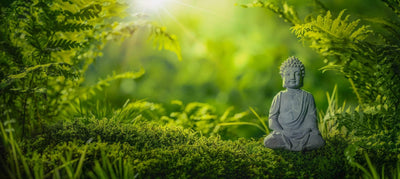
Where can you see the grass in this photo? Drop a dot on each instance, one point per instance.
(262, 127)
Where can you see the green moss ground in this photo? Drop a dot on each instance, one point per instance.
(149, 150)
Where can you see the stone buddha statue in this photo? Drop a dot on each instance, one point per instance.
(293, 116)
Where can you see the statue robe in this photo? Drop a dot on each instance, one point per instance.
(293, 119)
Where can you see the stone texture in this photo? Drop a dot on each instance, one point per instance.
(293, 116)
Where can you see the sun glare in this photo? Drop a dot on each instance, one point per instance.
(152, 5)
(161, 10)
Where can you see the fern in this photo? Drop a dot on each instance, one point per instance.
(74, 27)
(35, 69)
(394, 5)
(62, 44)
(46, 47)
(284, 10)
(86, 13)
(164, 40)
(91, 90)
(329, 36)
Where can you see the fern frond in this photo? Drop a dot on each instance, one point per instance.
(393, 27)
(284, 10)
(62, 44)
(42, 67)
(394, 5)
(164, 40)
(300, 29)
(87, 13)
(91, 90)
(50, 69)
(340, 28)
(330, 36)
(74, 27)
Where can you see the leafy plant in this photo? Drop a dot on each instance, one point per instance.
(372, 171)
(46, 47)
(327, 123)
(203, 117)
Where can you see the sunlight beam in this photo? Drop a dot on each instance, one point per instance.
(152, 5)
(193, 7)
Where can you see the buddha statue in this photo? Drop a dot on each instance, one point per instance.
(293, 116)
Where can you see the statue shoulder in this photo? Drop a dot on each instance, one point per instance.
(279, 94)
(307, 94)
(277, 98)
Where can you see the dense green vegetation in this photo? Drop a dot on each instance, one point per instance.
(150, 150)
(83, 95)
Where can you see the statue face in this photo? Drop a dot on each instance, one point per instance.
(292, 78)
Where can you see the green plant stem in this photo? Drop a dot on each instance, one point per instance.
(242, 123)
(371, 166)
(356, 92)
(261, 120)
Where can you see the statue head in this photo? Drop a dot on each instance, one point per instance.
(292, 72)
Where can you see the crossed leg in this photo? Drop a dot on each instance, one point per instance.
(274, 141)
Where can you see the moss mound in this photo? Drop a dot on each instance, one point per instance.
(149, 150)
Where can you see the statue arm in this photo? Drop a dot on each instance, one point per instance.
(312, 114)
(274, 114)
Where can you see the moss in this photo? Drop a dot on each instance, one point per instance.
(157, 151)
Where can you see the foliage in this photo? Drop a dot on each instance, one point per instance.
(388, 161)
(200, 117)
(327, 125)
(46, 47)
(386, 171)
(367, 55)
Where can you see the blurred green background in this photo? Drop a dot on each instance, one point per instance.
(230, 56)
